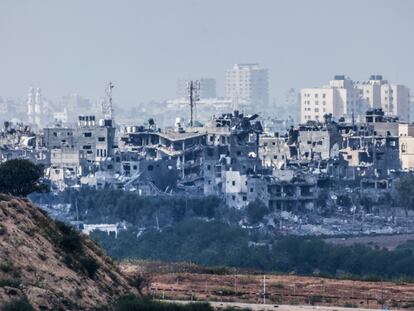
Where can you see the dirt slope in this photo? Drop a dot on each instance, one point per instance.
(51, 265)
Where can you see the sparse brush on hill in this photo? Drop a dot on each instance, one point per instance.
(50, 265)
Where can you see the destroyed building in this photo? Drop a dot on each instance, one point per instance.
(76, 152)
(232, 146)
(182, 149)
(284, 194)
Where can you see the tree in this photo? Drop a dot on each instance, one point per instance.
(256, 210)
(405, 190)
(20, 177)
(140, 281)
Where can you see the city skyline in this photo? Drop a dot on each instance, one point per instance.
(66, 48)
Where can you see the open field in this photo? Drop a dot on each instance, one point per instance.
(389, 242)
(280, 289)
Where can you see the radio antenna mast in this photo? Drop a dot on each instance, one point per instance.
(193, 88)
(107, 108)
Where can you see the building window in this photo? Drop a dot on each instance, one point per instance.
(87, 134)
(403, 148)
(244, 198)
(208, 167)
(233, 182)
(150, 167)
(101, 138)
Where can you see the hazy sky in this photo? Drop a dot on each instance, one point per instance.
(144, 46)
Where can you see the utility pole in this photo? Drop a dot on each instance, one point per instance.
(193, 88)
(264, 289)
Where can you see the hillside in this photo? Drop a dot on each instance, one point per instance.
(50, 264)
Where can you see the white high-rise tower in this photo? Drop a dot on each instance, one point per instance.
(30, 106)
(247, 85)
(38, 108)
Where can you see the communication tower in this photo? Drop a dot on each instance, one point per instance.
(193, 88)
(107, 108)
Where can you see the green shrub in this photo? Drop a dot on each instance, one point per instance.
(2, 230)
(315, 299)
(70, 241)
(20, 177)
(89, 265)
(6, 266)
(9, 282)
(350, 305)
(17, 305)
(134, 303)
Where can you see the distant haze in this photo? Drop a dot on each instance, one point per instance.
(145, 46)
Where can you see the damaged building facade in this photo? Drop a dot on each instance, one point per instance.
(229, 156)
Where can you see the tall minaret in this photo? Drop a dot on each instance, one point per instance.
(38, 108)
(31, 106)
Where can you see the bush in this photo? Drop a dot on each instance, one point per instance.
(20, 177)
(6, 267)
(134, 303)
(9, 282)
(315, 299)
(89, 265)
(256, 210)
(140, 281)
(17, 305)
(70, 241)
(2, 230)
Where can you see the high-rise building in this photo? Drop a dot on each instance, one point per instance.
(207, 88)
(247, 85)
(370, 90)
(342, 97)
(35, 108)
(394, 99)
(339, 98)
